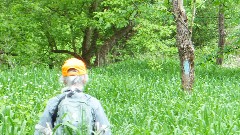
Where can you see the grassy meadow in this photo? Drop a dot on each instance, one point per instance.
(140, 97)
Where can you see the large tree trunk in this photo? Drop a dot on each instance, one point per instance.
(89, 52)
(221, 31)
(185, 46)
(89, 45)
(86, 45)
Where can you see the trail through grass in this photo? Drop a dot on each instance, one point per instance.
(140, 97)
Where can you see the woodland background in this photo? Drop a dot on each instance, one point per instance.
(132, 53)
(45, 32)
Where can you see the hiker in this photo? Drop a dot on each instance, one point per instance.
(72, 99)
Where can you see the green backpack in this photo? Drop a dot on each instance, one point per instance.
(74, 116)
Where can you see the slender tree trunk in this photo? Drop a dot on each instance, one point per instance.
(221, 30)
(185, 47)
(73, 40)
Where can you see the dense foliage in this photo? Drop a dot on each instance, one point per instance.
(43, 32)
(139, 96)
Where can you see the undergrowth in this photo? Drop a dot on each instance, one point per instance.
(139, 97)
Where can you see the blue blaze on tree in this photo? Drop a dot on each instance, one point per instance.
(185, 46)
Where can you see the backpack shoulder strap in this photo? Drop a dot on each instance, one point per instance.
(54, 116)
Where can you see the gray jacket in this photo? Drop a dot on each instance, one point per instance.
(46, 122)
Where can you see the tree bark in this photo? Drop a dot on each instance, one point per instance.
(73, 40)
(90, 48)
(108, 44)
(221, 30)
(185, 46)
(90, 37)
(86, 44)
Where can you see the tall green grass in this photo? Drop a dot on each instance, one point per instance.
(140, 97)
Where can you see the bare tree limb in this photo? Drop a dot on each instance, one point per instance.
(67, 52)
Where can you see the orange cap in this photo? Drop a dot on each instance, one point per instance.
(76, 64)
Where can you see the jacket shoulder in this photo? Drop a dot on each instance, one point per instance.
(56, 98)
(94, 102)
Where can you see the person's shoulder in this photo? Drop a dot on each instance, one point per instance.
(91, 98)
(56, 98)
(93, 101)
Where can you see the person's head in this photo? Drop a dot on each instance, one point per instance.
(74, 73)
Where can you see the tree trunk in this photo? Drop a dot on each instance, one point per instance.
(108, 44)
(185, 46)
(89, 49)
(86, 45)
(221, 31)
(89, 44)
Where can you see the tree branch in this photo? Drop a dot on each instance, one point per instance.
(118, 34)
(108, 44)
(68, 52)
